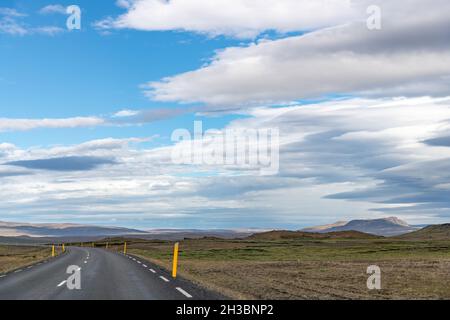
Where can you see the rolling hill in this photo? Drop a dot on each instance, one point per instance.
(434, 232)
(291, 235)
(386, 227)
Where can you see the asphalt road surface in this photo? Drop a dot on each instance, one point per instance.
(104, 275)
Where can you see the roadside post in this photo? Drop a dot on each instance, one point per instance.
(53, 251)
(125, 248)
(63, 248)
(175, 260)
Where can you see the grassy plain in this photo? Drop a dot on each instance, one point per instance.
(308, 268)
(13, 257)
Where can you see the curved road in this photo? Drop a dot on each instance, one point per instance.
(105, 275)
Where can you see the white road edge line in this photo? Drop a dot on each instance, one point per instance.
(165, 279)
(152, 270)
(2, 276)
(187, 295)
(62, 283)
(18, 271)
(144, 266)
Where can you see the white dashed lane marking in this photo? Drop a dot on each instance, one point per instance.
(2, 276)
(18, 271)
(62, 283)
(164, 279)
(144, 266)
(187, 295)
(152, 270)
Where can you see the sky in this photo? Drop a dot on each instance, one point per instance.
(357, 89)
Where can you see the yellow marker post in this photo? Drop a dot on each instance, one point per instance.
(53, 251)
(63, 248)
(125, 248)
(107, 245)
(175, 260)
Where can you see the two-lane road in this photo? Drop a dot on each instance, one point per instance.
(105, 275)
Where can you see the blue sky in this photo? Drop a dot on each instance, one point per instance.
(85, 73)
(86, 116)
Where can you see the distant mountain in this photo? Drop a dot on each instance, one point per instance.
(433, 232)
(386, 227)
(180, 234)
(325, 227)
(27, 232)
(291, 235)
(15, 229)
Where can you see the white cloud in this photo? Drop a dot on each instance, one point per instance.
(120, 118)
(11, 23)
(11, 26)
(126, 113)
(10, 12)
(409, 57)
(49, 30)
(53, 8)
(347, 60)
(238, 18)
(7, 124)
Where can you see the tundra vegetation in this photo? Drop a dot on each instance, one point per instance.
(13, 257)
(277, 266)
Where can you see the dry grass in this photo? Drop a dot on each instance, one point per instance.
(13, 257)
(309, 269)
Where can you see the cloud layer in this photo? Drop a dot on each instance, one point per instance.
(83, 163)
(410, 56)
(239, 18)
(346, 159)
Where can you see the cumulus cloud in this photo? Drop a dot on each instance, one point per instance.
(240, 18)
(410, 56)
